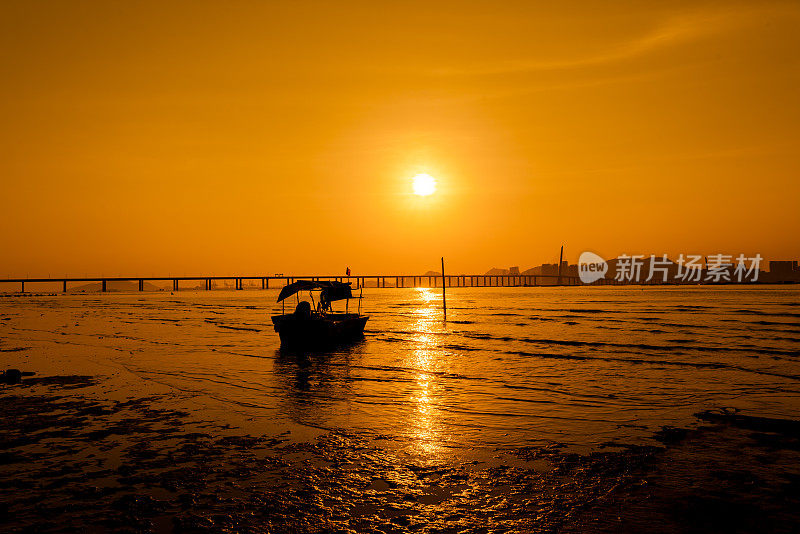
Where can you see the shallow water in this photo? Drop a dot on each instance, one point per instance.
(512, 366)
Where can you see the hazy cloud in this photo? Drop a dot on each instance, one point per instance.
(674, 31)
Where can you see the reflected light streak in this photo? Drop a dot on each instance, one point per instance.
(426, 294)
(423, 420)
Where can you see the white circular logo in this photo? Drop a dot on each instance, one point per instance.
(591, 267)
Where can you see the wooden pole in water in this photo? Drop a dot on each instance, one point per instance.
(444, 297)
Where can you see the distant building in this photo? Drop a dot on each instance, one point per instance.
(783, 267)
(513, 271)
(783, 271)
(549, 272)
(551, 269)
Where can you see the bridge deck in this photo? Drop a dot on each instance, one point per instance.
(459, 280)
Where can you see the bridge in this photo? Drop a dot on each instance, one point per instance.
(265, 282)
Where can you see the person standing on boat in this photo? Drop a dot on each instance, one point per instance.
(348, 270)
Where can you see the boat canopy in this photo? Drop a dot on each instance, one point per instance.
(331, 290)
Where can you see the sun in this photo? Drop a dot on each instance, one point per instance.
(423, 185)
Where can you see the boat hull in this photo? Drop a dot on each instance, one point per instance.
(297, 330)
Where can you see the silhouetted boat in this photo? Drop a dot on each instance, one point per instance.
(315, 324)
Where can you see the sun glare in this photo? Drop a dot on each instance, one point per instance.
(423, 185)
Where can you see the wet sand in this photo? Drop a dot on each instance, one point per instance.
(181, 413)
(72, 460)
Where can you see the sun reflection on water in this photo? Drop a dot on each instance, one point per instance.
(425, 359)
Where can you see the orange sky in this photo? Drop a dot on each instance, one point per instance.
(237, 137)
